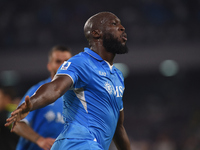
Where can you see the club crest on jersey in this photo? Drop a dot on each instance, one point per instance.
(108, 87)
(65, 65)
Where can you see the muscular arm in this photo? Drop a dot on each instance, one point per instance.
(24, 130)
(50, 92)
(46, 94)
(120, 138)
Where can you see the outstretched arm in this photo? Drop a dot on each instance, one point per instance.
(46, 94)
(121, 138)
(24, 130)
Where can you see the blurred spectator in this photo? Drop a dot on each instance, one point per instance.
(39, 23)
(192, 143)
(8, 103)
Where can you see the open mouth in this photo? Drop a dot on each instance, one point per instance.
(124, 36)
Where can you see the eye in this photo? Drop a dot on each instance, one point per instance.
(114, 23)
(58, 61)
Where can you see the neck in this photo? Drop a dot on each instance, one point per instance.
(101, 51)
(52, 75)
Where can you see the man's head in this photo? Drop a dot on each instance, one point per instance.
(105, 28)
(57, 56)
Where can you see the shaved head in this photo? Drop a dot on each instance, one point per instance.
(96, 23)
(104, 30)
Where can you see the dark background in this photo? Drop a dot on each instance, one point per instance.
(161, 111)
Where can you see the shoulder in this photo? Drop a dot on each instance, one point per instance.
(81, 59)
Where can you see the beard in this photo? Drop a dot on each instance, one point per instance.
(113, 45)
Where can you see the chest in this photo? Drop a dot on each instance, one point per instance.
(108, 83)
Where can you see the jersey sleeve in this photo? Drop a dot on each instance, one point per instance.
(78, 70)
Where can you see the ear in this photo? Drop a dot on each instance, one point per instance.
(96, 34)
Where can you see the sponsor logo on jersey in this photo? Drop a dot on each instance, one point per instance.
(117, 91)
(51, 116)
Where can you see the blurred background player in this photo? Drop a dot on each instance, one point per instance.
(40, 128)
(8, 103)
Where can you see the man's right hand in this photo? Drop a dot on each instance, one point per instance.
(45, 143)
(20, 113)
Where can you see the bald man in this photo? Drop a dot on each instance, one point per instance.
(93, 89)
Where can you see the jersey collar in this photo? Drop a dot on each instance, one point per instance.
(93, 54)
(96, 56)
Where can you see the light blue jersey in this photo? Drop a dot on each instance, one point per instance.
(47, 121)
(92, 106)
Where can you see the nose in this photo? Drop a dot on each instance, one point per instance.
(121, 28)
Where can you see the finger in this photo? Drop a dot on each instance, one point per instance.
(28, 102)
(51, 143)
(8, 124)
(48, 147)
(13, 126)
(51, 140)
(10, 120)
(15, 112)
(27, 99)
